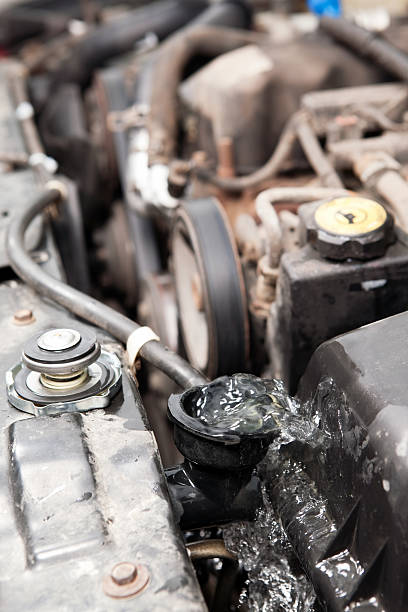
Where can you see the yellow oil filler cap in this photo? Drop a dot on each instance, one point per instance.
(350, 227)
(350, 216)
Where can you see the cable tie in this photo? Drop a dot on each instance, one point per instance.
(137, 339)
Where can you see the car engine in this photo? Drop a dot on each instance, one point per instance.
(204, 292)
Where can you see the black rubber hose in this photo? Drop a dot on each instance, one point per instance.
(226, 13)
(212, 33)
(297, 128)
(367, 44)
(272, 167)
(119, 36)
(18, 23)
(83, 305)
(168, 73)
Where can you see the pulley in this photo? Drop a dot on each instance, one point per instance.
(209, 289)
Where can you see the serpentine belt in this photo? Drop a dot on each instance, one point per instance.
(204, 226)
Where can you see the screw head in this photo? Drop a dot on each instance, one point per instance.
(23, 317)
(59, 339)
(123, 573)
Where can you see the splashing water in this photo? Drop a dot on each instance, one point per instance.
(248, 405)
(274, 582)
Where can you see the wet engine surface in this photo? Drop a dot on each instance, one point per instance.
(203, 296)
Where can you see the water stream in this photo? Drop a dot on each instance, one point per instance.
(318, 439)
(275, 582)
(248, 405)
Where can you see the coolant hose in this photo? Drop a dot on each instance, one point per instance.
(269, 169)
(296, 128)
(120, 35)
(211, 34)
(367, 44)
(84, 306)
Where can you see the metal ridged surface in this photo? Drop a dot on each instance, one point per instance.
(80, 493)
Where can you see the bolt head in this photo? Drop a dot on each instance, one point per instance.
(58, 339)
(124, 573)
(23, 317)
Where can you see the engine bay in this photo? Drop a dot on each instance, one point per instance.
(204, 281)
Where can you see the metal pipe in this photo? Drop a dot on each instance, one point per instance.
(17, 76)
(209, 549)
(394, 189)
(270, 169)
(82, 305)
(269, 218)
(298, 127)
(381, 172)
(346, 152)
(303, 194)
(270, 222)
(316, 156)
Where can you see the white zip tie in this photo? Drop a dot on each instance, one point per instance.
(40, 159)
(24, 111)
(137, 339)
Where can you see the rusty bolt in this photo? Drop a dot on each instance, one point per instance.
(126, 580)
(225, 150)
(346, 120)
(23, 317)
(123, 573)
(199, 158)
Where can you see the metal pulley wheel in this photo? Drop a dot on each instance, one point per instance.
(210, 289)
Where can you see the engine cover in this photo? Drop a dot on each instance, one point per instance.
(355, 546)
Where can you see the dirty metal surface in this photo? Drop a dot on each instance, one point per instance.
(319, 299)
(81, 493)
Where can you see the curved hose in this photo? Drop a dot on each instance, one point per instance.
(121, 34)
(269, 218)
(173, 57)
(367, 45)
(316, 156)
(83, 305)
(297, 128)
(270, 169)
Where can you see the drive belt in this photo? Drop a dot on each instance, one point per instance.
(203, 226)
